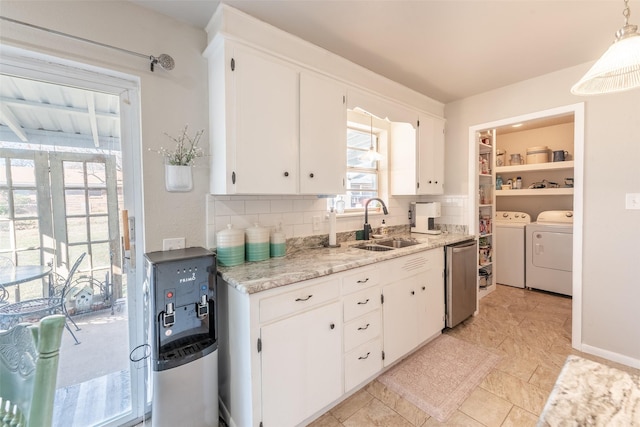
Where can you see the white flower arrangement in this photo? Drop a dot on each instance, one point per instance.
(187, 150)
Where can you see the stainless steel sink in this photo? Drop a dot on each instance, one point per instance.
(398, 243)
(373, 247)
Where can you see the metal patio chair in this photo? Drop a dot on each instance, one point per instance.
(35, 309)
(29, 355)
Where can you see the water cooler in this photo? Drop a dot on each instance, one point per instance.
(183, 337)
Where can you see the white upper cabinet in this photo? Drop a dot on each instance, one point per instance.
(275, 128)
(417, 157)
(323, 135)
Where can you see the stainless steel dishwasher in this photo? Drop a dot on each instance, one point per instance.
(461, 286)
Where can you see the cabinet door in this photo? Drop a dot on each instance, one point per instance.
(301, 365)
(266, 124)
(323, 135)
(430, 304)
(400, 319)
(431, 156)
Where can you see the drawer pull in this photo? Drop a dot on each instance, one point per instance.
(423, 288)
(413, 292)
(304, 299)
(364, 328)
(332, 325)
(364, 357)
(363, 303)
(363, 281)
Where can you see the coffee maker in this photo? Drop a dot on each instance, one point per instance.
(422, 216)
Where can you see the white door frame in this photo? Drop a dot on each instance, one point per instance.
(38, 66)
(578, 196)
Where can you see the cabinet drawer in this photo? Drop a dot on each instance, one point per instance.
(299, 300)
(361, 278)
(362, 329)
(362, 302)
(362, 363)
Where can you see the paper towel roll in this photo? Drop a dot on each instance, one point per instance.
(332, 228)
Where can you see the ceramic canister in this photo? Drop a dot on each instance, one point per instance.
(257, 243)
(230, 246)
(278, 243)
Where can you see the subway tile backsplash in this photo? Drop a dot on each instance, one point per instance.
(296, 214)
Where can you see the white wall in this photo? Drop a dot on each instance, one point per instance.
(169, 99)
(611, 279)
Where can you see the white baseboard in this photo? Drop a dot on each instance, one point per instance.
(610, 355)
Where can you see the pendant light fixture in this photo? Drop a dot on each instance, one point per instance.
(619, 67)
(372, 154)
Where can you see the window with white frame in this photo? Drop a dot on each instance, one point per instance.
(362, 168)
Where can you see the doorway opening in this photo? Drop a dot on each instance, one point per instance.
(66, 177)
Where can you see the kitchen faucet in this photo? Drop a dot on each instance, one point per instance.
(367, 227)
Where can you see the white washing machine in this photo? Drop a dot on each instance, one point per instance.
(509, 252)
(550, 252)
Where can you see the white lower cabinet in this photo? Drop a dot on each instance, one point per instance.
(301, 365)
(287, 354)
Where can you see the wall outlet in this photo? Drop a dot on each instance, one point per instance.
(174, 243)
(632, 201)
(316, 223)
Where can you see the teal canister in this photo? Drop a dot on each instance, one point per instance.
(257, 243)
(230, 246)
(278, 243)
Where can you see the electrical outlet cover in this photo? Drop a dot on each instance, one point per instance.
(174, 243)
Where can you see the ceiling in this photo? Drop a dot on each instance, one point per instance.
(448, 49)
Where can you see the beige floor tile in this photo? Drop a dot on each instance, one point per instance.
(382, 393)
(458, 419)
(486, 408)
(410, 412)
(516, 391)
(518, 366)
(376, 414)
(351, 405)
(518, 417)
(545, 377)
(327, 420)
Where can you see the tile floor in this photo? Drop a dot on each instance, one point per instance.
(531, 331)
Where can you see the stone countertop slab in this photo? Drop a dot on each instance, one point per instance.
(252, 277)
(588, 393)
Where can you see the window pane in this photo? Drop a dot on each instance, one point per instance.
(3, 171)
(73, 174)
(27, 234)
(362, 181)
(357, 199)
(360, 139)
(77, 230)
(74, 252)
(99, 228)
(5, 236)
(357, 159)
(25, 203)
(23, 173)
(97, 201)
(4, 203)
(96, 176)
(31, 257)
(100, 254)
(75, 202)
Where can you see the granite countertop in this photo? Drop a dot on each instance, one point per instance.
(589, 393)
(252, 277)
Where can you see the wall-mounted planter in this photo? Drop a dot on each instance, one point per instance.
(178, 178)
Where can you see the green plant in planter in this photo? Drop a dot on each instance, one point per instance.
(186, 151)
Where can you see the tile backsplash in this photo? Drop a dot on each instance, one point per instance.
(297, 214)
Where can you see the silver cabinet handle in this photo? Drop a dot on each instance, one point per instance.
(304, 299)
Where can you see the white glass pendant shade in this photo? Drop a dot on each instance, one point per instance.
(616, 71)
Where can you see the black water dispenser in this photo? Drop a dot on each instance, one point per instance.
(183, 337)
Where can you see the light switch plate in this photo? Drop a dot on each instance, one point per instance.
(632, 201)
(174, 243)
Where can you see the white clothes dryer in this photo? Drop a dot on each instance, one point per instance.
(550, 252)
(510, 247)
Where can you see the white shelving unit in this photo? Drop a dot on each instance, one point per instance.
(486, 209)
(536, 192)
